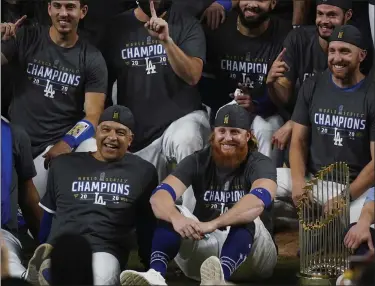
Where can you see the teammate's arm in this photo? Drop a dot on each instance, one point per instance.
(249, 207)
(366, 177)
(300, 139)
(28, 197)
(163, 200)
(186, 59)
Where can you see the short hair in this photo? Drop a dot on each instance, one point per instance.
(82, 2)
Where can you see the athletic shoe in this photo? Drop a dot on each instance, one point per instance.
(212, 273)
(41, 253)
(45, 273)
(151, 277)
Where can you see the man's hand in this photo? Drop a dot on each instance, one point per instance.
(157, 27)
(59, 148)
(243, 98)
(214, 15)
(207, 227)
(187, 227)
(281, 137)
(332, 204)
(357, 235)
(9, 30)
(297, 192)
(278, 68)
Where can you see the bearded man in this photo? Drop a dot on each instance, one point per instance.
(241, 51)
(234, 186)
(334, 121)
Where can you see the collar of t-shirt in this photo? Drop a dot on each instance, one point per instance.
(350, 88)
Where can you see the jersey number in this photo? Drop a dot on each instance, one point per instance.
(48, 91)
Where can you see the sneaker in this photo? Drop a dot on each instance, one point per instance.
(151, 277)
(45, 273)
(212, 273)
(41, 253)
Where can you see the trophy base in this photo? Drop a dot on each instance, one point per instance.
(318, 280)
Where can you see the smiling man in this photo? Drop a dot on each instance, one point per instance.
(334, 121)
(101, 196)
(61, 89)
(234, 186)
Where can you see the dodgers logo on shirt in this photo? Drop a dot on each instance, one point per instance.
(340, 124)
(53, 77)
(146, 54)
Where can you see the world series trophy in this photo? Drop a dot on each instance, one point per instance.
(323, 256)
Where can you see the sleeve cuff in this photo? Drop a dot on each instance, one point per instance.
(47, 209)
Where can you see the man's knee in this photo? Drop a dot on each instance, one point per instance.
(88, 145)
(106, 269)
(188, 135)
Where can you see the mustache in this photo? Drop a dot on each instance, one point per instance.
(253, 9)
(329, 26)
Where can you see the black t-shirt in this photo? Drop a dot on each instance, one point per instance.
(23, 170)
(146, 82)
(50, 94)
(303, 54)
(216, 191)
(99, 200)
(234, 58)
(342, 122)
(372, 2)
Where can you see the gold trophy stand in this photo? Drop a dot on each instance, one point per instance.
(323, 256)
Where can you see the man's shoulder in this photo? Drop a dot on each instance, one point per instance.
(281, 27)
(69, 159)
(32, 33)
(302, 35)
(256, 156)
(139, 162)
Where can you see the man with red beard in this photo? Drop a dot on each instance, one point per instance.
(234, 186)
(334, 121)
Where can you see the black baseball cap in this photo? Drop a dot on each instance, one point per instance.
(120, 114)
(234, 116)
(348, 34)
(343, 4)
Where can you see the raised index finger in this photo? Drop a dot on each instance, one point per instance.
(281, 55)
(152, 9)
(20, 21)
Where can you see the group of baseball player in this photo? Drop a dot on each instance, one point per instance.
(178, 129)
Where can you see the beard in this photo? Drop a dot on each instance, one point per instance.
(160, 6)
(254, 22)
(346, 75)
(230, 160)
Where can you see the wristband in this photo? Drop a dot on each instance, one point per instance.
(263, 195)
(227, 4)
(165, 187)
(80, 132)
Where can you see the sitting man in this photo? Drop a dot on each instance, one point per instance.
(334, 122)
(233, 185)
(17, 189)
(360, 237)
(101, 196)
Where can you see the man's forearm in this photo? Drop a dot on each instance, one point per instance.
(300, 8)
(186, 67)
(4, 60)
(298, 158)
(244, 211)
(364, 181)
(279, 94)
(367, 216)
(164, 207)
(28, 201)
